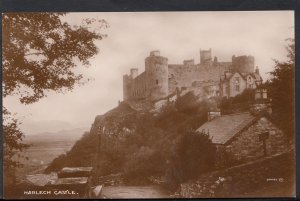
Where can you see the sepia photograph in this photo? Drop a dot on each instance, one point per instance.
(177, 104)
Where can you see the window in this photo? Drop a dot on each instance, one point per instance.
(237, 83)
(237, 80)
(156, 81)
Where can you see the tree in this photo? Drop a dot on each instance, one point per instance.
(194, 155)
(239, 103)
(40, 53)
(188, 103)
(12, 140)
(12, 146)
(281, 89)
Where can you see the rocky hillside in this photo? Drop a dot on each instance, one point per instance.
(131, 134)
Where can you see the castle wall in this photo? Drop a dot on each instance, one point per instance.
(183, 75)
(138, 87)
(205, 56)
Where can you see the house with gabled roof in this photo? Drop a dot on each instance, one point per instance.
(243, 137)
(233, 83)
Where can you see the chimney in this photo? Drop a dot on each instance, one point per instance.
(257, 70)
(261, 94)
(215, 59)
(262, 104)
(211, 115)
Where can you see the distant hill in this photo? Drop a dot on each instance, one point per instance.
(33, 127)
(62, 135)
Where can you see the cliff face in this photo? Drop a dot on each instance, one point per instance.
(112, 118)
(84, 151)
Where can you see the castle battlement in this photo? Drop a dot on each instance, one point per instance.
(161, 78)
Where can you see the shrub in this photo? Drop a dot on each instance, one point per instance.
(195, 154)
(140, 166)
(239, 103)
(57, 164)
(187, 104)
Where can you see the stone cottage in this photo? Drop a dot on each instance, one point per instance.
(243, 137)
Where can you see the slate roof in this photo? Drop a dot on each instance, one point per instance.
(76, 169)
(69, 181)
(222, 129)
(238, 72)
(257, 76)
(75, 172)
(243, 75)
(41, 179)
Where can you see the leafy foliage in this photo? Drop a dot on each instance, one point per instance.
(12, 140)
(239, 103)
(195, 154)
(281, 89)
(12, 146)
(142, 164)
(39, 52)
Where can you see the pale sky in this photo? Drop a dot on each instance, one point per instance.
(178, 36)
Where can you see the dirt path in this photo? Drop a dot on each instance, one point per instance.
(133, 192)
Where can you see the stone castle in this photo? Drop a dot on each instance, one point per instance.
(208, 78)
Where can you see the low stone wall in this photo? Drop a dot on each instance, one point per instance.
(253, 179)
(111, 180)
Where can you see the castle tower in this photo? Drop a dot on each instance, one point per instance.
(134, 73)
(243, 64)
(205, 56)
(156, 69)
(126, 81)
